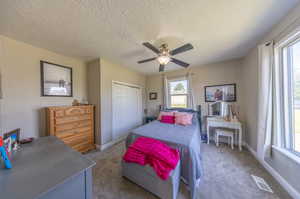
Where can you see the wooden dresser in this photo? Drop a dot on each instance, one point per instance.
(72, 124)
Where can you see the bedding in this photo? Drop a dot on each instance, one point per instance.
(184, 138)
(183, 118)
(170, 113)
(167, 119)
(162, 158)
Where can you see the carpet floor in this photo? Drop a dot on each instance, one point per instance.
(227, 175)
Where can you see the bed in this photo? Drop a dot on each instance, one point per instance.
(186, 139)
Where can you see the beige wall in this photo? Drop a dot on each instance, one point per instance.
(250, 94)
(113, 72)
(154, 83)
(285, 166)
(20, 71)
(22, 106)
(94, 94)
(211, 74)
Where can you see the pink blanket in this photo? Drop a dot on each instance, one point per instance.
(158, 155)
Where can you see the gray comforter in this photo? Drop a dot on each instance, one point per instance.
(185, 138)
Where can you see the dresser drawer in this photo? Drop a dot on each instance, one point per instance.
(79, 144)
(75, 111)
(59, 113)
(84, 147)
(78, 139)
(73, 125)
(72, 119)
(74, 132)
(89, 110)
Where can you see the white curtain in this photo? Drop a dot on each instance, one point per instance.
(265, 99)
(166, 92)
(191, 99)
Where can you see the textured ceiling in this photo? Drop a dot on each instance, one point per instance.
(114, 29)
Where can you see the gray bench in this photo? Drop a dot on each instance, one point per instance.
(146, 177)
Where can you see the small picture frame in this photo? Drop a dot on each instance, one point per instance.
(12, 140)
(153, 96)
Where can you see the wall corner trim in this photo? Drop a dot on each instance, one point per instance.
(293, 192)
(112, 143)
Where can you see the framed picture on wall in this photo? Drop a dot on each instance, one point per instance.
(153, 96)
(56, 80)
(225, 92)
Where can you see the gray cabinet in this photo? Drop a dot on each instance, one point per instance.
(47, 169)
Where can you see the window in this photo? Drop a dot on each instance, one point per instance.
(295, 93)
(178, 93)
(289, 56)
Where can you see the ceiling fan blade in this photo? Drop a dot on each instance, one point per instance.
(146, 60)
(181, 49)
(151, 47)
(181, 63)
(161, 68)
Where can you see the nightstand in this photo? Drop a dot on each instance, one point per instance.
(150, 119)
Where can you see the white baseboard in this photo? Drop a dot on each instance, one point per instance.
(293, 192)
(98, 147)
(251, 150)
(111, 143)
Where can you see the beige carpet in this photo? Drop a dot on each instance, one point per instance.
(226, 176)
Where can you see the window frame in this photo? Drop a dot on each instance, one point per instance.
(170, 95)
(284, 123)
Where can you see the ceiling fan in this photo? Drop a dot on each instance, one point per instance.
(165, 55)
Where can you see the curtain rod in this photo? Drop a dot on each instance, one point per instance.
(177, 76)
(281, 33)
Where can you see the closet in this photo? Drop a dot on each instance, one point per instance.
(126, 109)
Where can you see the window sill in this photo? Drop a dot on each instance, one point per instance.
(288, 153)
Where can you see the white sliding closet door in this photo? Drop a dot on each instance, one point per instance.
(127, 109)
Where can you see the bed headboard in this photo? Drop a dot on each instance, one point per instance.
(198, 111)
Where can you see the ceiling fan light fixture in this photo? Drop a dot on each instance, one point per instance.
(163, 59)
(164, 55)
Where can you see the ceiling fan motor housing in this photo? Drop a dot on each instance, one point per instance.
(164, 48)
